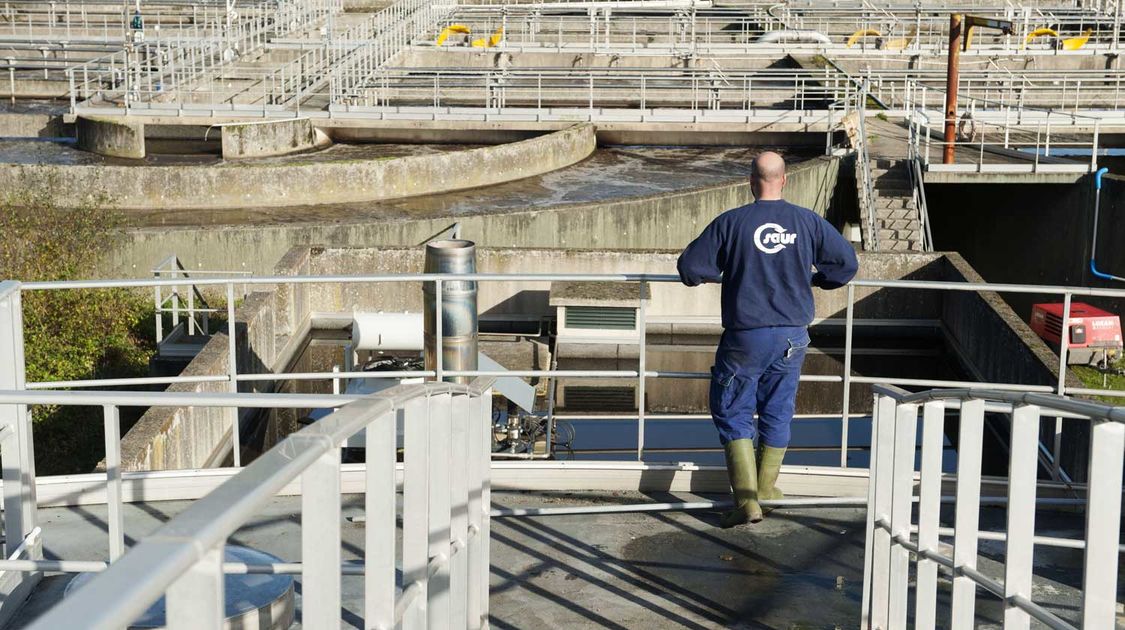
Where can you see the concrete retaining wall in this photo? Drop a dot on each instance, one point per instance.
(113, 137)
(530, 298)
(270, 137)
(1034, 234)
(35, 88)
(290, 184)
(27, 125)
(663, 221)
(993, 343)
(267, 334)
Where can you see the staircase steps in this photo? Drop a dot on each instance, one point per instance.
(896, 213)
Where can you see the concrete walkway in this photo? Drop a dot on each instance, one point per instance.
(797, 569)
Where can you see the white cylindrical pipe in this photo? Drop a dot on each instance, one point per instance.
(387, 331)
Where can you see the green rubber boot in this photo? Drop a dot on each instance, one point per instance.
(768, 470)
(744, 484)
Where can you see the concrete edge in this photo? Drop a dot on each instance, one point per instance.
(249, 185)
(111, 137)
(267, 138)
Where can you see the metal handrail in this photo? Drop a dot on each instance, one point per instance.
(863, 167)
(180, 557)
(891, 502)
(641, 374)
(1078, 408)
(918, 184)
(172, 265)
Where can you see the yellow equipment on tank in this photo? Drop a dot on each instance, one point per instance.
(861, 33)
(451, 29)
(1070, 43)
(1075, 43)
(493, 40)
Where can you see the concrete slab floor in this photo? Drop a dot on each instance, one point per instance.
(797, 569)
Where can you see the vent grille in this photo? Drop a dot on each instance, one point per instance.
(601, 317)
(599, 398)
(1054, 324)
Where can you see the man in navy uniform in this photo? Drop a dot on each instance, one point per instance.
(764, 255)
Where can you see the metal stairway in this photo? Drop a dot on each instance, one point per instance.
(896, 211)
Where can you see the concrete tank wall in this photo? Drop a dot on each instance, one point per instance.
(293, 184)
(270, 137)
(993, 343)
(531, 298)
(267, 334)
(1034, 234)
(663, 221)
(27, 125)
(113, 137)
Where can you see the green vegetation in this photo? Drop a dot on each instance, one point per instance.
(1095, 378)
(819, 61)
(73, 334)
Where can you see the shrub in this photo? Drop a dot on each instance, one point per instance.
(71, 334)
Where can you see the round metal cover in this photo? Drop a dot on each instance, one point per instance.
(252, 601)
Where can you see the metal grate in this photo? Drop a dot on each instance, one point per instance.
(600, 398)
(601, 317)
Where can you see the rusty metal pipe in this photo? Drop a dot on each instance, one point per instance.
(952, 78)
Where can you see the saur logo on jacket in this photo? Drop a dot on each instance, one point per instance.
(772, 238)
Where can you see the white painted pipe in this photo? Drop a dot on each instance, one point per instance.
(611, 4)
(387, 331)
(793, 37)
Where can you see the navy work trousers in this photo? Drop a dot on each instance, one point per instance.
(757, 371)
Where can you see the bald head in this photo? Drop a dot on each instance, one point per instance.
(767, 176)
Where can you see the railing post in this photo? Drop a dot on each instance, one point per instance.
(232, 373)
(416, 509)
(320, 541)
(379, 508)
(1094, 147)
(875, 584)
(116, 522)
(156, 307)
(439, 352)
(1103, 522)
(439, 600)
(195, 601)
(1022, 478)
(929, 513)
(18, 454)
(480, 460)
(967, 519)
(641, 368)
(191, 308)
(845, 418)
(906, 430)
(1064, 346)
(461, 417)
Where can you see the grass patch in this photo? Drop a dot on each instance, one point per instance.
(1095, 378)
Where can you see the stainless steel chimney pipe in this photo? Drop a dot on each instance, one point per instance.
(458, 307)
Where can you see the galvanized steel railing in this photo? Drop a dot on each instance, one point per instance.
(445, 514)
(616, 90)
(184, 558)
(997, 137)
(863, 170)
(846, 379)
(915, 171)
(892, 547)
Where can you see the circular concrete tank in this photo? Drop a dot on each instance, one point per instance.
(253, 601)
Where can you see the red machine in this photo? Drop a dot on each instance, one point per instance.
(1094, 334)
